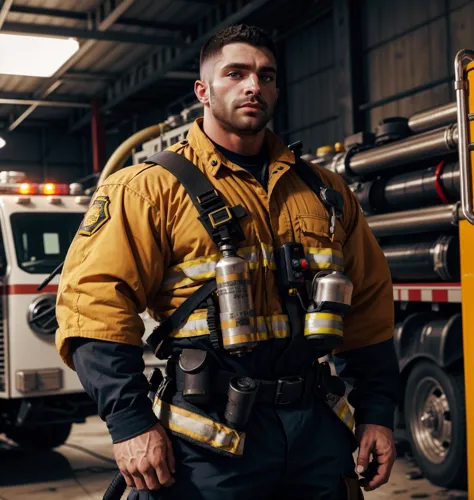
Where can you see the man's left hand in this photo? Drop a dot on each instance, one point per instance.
(378, 441)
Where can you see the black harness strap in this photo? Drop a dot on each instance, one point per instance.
(218, 219)
(182, 312)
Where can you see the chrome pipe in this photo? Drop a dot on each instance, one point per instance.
(433, 118)
(426, 260)
(419, 147)
(438, 218)
(432, 186)
(464, 57)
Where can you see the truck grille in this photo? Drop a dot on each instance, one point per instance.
(42, 316)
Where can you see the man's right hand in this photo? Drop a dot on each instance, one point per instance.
(146, 461)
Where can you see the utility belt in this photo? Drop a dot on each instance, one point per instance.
(200, 384)
(211, 407)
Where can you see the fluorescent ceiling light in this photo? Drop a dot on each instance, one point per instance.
(34, 55)
(2, 142)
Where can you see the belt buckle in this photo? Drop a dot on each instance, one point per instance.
(286, 387)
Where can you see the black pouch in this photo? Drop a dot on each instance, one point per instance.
(353, 490)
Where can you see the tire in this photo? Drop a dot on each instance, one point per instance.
(435, 418)
(41, 437)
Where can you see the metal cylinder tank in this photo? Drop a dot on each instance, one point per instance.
(432, 186)
(424, 261)
(433, 118)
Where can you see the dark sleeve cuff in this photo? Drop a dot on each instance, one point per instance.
(378, 414)
(131, 421)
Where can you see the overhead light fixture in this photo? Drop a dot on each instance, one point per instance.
(34, 55)
(3, 142)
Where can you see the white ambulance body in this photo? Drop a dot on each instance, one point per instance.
(40, 397)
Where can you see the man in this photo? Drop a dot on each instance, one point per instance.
(142, 246)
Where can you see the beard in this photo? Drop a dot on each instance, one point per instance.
(235, 119)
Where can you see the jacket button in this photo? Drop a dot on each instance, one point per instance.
(214, 163)
(280, 168)
(275, 172)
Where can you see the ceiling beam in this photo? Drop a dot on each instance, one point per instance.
(32, 107)
(80, 76)
(89, 34)
(107, 13)
(182, 75)
(84, 16)
(166, 59)
(6, 7)
(25, 100)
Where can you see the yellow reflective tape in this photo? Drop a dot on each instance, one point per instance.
(202, 268)
(323, 331)
(240, 339)
(199, 428)
(324, 251)
(327, 316)
(244, 277)
(268, 256)
(342, 410)
(233, 323)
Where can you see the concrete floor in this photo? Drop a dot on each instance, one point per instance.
(84, 466)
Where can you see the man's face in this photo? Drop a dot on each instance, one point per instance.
(242, 87)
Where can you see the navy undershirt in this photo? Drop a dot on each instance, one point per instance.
(256, 165)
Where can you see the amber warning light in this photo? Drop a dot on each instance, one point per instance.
(50, 188)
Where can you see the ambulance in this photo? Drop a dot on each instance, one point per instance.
(40, 397)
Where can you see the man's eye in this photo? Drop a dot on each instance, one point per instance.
(267, 78)
(233, 74)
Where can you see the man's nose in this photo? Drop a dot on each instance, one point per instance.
(253, 85)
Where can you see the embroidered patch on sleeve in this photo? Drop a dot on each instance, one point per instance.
(97, 215)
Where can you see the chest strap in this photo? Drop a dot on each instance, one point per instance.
(219, 220)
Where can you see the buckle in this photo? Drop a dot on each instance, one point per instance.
(227, 216)
(207, 197)
(289, 390)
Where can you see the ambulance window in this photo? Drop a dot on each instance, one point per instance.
(51, 243)
(42, 239)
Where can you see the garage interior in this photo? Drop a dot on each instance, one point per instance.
(344, 65)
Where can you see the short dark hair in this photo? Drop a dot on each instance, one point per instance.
(237, 33)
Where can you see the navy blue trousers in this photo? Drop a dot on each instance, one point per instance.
(297, 452)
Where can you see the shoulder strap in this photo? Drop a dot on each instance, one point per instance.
(218, 219)
(330, 197)
(308, 175)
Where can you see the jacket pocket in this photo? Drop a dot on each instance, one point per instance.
(312, 225)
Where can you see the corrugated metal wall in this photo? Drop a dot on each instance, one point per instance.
(405, 44)
(411, 43)
(308, 60)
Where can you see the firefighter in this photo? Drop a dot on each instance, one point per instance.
(255, 422)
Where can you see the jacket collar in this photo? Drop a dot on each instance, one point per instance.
(213, 159)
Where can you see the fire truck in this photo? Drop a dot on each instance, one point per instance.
(40, 398)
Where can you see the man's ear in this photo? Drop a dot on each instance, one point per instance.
(201, 89)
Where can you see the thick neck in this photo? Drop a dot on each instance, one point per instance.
(241, 144)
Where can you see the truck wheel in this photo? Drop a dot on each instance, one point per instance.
(436, 423)
(41, 437)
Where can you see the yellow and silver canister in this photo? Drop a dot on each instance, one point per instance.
(330, 299)
(237, 312)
